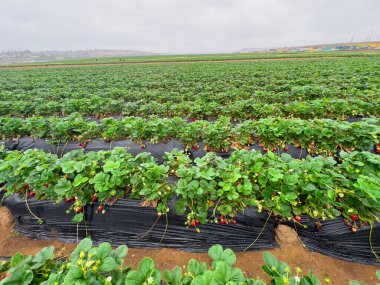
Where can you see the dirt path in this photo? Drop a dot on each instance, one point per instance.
(169, 62)
(291, 251)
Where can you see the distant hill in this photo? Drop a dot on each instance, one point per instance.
(12, 57)
(320, 47)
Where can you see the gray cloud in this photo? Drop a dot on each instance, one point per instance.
(183, 25)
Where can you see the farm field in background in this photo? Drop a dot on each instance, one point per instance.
(202, 57)
(234, 126)
(326, 88)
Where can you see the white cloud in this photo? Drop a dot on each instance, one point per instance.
(183, 25)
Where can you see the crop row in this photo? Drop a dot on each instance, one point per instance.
(210, 188)
(220, 82)
(88, 264)
(319, 136)
(238, 110)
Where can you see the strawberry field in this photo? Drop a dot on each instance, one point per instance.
(294, 139)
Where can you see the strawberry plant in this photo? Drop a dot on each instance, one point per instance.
(317, 136)
(103, 265)
(211, 188)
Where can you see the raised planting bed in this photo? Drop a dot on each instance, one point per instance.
(60, 135)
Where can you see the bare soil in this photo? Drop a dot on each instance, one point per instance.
(291, 251)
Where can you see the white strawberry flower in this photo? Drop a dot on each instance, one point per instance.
(150, 280)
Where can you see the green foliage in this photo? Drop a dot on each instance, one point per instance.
(103, 265)
(210, 190)
(320, 136)
(328, 88)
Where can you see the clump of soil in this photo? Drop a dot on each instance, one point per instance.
(291, 250)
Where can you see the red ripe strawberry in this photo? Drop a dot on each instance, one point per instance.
(46, 185)
(265, 150)
(196, 147)
(67, 201)
(32, 194)
(234, 222)
(221, 217)
(26, 186)
(196, 222)
(100, 208)
(193, 224)
(275, 149)
(79, 210)
(72, 199)
(208, 149)
(193, 119)
(108, 140)
(286, 149)
(354, 217)
(143, 147)
(297, 218)
(94, 198)
(222, 222)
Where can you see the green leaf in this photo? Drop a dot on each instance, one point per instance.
(205, 279)
(108, 264)
(103, 250)
(290, 179)
(63, 185)
(21, 276)
(263, 181)
(77, 218)
(314, 279)
(270, 259)
(215, 252)
(73, 274)
(85, 245)
(294, 165)
(257, 166)
(111, 165)
(175, 277)
(68, 166)
(79, 166)
(237, 275)
(222, 273)
(228, 256)
(121, 252)
(79, 179)
(16, 259)
(196, 268)
(42, 256)
(134, 278)
(146, 267)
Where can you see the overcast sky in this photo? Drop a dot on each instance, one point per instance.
(183, 26)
